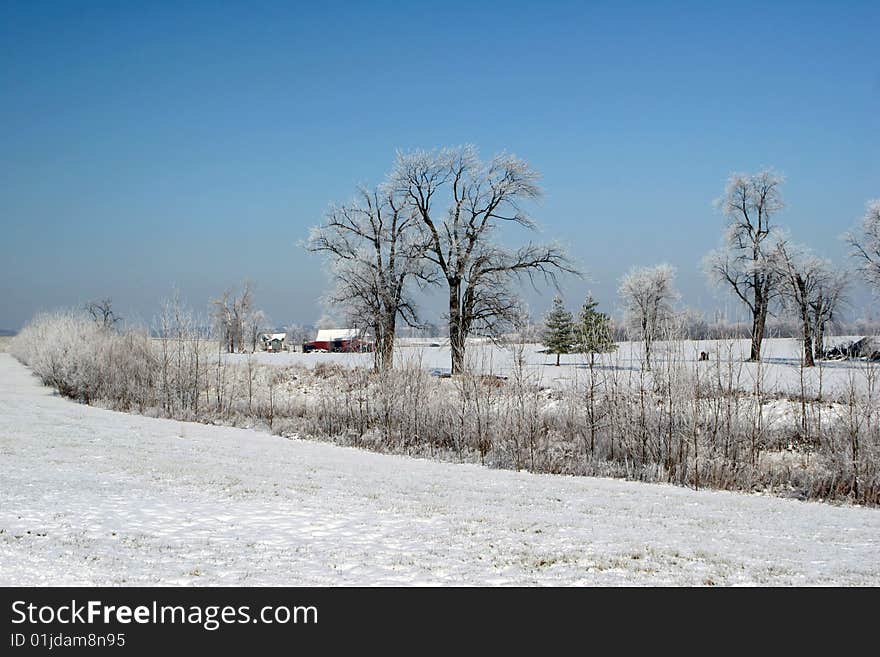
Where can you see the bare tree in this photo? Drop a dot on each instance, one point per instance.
(804, 276)
(648, 295)
(242, 308)
(461, 203)
(296, 335)
(235, 317)
(865, 245)
(749, 203)
(375, 248)
(102, 312)
(826, 305)
(222, 315)
(257, 322)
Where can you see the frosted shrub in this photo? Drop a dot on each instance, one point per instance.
(63, 350)
(89, 362)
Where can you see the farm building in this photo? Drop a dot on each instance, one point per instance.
(273, 342)
(339, 340)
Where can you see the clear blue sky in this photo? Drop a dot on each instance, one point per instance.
(151, 144)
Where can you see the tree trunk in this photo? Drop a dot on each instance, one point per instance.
(378, 350)
(819, 346)
(805, 321)
(456, 343)
(388, 344)
(759, 320)
(808, 340)
(384, 327)
(592, 407)
(457, 336)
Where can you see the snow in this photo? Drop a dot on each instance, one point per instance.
(90, 496)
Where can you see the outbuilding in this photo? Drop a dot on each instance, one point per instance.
(273, 342)
(339, 341)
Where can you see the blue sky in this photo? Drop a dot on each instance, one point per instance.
(147, 145)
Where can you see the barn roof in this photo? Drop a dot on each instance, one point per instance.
(329, 335)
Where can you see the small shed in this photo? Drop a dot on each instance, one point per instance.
(273, 342)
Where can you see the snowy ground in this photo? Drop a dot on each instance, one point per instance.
(780, 368)
(89, 496)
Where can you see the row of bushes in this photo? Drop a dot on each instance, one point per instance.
(699, 425)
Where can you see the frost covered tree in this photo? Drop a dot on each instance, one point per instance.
(234, 317)
(648, 296)
(222, 316)
(743, 262)
(326, 321)
(826, 305)
(375, 249)
(804, 276)
(257, 322)
(865, 245)
(593, 330)
(559, 337)
(296, 335)
(462, 203)
(242, 308)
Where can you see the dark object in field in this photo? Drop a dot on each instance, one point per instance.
(867, 348)
(704, 355)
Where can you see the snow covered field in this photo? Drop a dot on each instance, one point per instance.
(89, 496)
(780, 368)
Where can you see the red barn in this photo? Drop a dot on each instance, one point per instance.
(339, 340)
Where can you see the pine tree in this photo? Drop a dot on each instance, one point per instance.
(594, 336)
(593, 331)
(559, 332)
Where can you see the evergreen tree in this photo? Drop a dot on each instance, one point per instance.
(594, 336)
(593, 331)
(559, 331)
